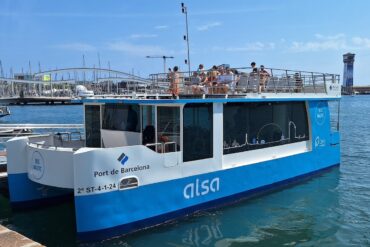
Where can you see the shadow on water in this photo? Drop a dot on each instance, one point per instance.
(52, 226)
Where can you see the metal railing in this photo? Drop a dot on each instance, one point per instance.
(241, 80)
(162, 147)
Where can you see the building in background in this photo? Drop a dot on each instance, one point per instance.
(348, 60)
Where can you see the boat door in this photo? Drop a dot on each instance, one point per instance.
(168, 133)
(161, 131)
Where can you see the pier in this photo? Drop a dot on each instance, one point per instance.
(63, 86)
(9, 238)
(37, 100)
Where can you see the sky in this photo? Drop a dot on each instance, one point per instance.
(308, 35)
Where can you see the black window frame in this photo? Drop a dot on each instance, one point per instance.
(263, 124)
(197, 139)
(119, 123)
(93, 127)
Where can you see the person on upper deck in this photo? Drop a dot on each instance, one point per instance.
(175, 81)
(254, 72)
(202, 73)
(253, 66)
(298, 82)
(264, 76)
(196, 83)
(212, 78)
(228, 81)
(169, 73)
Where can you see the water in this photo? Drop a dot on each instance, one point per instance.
(329, 210)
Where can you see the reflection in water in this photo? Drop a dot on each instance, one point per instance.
(205, 234)
(296, 215)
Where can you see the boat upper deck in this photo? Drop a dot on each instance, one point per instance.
(229, 84)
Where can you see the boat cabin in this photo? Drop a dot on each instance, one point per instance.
(193, 128)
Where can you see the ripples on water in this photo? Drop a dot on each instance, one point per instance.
(330, 210)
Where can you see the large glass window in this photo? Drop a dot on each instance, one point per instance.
(168, 128)
(198, 131)
(92, 125)
(249, 126)
(121, 117)
(148, 122)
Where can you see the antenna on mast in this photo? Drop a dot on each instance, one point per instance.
(184, 10)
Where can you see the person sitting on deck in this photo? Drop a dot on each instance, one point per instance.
(202, 74)
(195, 85)
(253, 80)
(298, 83)
(212, 79)
(226, 81)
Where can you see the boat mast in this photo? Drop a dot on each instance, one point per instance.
(184, 10)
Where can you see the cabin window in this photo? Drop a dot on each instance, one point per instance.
(128, 183)
(92, 125)
(148, 125)
(198, 131)
(249, 126)
(122, 117)
(168, 128)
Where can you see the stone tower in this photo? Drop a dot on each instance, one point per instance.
(348, 60)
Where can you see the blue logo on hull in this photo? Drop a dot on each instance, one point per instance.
(123, 158)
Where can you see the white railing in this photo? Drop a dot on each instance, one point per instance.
(241, 80)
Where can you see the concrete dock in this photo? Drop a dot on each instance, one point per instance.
(9, 238)
(37, 100)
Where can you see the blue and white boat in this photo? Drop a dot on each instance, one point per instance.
(149, 158)
(4, 111)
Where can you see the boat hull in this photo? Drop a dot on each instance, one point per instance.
(101, 216)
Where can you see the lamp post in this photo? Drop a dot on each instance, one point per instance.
(184, 10)
(164, 60)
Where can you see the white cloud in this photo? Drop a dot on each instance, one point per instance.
(208, 26)
(255, 46)
(161, 27)
(361, 42)
(338, 36)
(82, 47)
(322, 43)
(338, 42)
(143, 36)
(138, 50)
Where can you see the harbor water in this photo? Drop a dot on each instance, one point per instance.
(331, 209)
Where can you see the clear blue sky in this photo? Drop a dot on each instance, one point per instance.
(295, 34)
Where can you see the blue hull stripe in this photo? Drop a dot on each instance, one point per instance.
(141, 224)
(24, 193)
